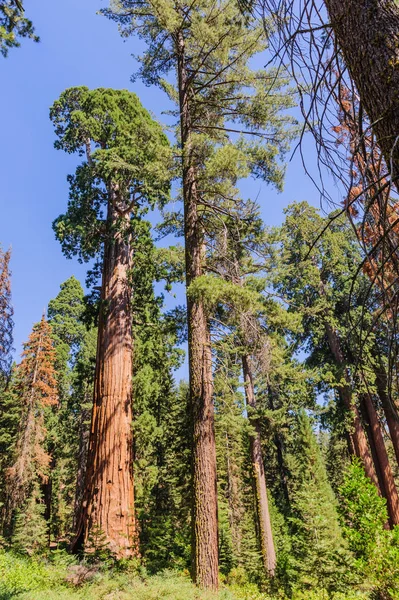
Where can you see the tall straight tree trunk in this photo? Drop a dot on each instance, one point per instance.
(391, 492)
(205, 518)
(367, 31)
(262, 504)
(390, 411)
(357, 436)
(108, 504)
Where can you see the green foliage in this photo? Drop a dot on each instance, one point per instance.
(40, 579)
(376, 548)
(126, 154)
(14, 25)
(30, 533)
(320, 556)
(65, 314)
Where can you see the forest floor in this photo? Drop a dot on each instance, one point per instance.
(23, 578)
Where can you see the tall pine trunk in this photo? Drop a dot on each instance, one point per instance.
(367, 31)
(107, 513)
(357, 435)
(262, 504)
(205, 518)
(388, 483)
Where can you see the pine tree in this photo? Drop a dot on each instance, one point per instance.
(207, 48)
(30, 531)
(65, 313)
(319, 552)
(14, 25)
(316, 280)
(36, 387)
(154, 397)
(239, 547)
(126, 168)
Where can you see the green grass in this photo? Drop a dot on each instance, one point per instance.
(23, 578)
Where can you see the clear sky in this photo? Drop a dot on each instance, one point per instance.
(78, 47)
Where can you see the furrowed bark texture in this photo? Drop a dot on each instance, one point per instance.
(357, 436)
(262, 504)
(389, 487)
(205, 518)
(108, 505)
(367, 32)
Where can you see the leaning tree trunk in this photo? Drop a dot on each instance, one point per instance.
(367, 32)
(107, 516)
(357, 436)
(390, 410)
(205, 517)
(262, 504)
(391, 493)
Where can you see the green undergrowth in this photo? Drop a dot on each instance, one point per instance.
(27, 578)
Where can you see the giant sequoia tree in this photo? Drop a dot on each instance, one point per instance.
(125, 171)
(228, 128)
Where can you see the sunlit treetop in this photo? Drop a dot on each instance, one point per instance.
(14, 25)
(127, 163)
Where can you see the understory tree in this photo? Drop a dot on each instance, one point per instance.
(316, 280)
(35, 389)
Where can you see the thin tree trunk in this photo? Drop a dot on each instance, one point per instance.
(262, 504)
(391, 492)
(205, 519)
(367, 31)
(357, 435)
(108, 506)
(389, 409)
(373, 448)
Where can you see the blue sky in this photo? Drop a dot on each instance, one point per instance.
(78, 47)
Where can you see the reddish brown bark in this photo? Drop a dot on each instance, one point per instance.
(357, 436)
(262, 504)
(205, 518)
(390, 410)
(388, 483)
(108, 506)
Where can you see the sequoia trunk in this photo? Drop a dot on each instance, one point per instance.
(262, 504)
(367, 31)
(107, 516)
(205, 518)
(389, 486)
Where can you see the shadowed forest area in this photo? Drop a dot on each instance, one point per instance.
(213, 414)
